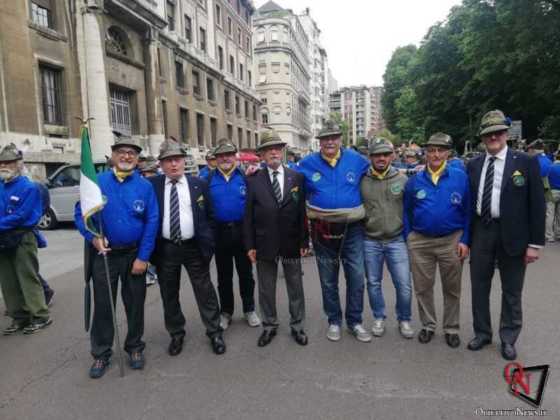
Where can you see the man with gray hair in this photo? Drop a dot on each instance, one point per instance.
(20, 211)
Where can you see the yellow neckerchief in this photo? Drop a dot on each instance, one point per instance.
(378, 175)
(122, 175)
(437, 174)
(332, 161)
(227, 175)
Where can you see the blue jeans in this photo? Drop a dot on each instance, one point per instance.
(396, 255)
(328, 262)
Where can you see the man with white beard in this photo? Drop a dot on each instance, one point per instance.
(20, 211)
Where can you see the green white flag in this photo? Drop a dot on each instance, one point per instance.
(91, 199)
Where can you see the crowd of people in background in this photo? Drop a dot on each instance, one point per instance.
(414, 209)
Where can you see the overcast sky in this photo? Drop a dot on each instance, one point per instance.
(361, 35)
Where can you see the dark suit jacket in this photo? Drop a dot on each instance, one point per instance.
(275, 229)
(202, 215)
(522, 207)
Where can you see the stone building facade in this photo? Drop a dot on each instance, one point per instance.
(147, 68)
(282, 69)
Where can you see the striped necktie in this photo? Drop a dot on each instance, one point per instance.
(276, 187)
(486, 206)
(174, 214)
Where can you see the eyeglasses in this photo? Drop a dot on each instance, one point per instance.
(434, 150)
(126, 152)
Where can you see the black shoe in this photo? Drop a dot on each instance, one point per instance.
(14, 327)
(300, 337)
(176, 346)
(218, 344)
(478, 343)
(37, 325)
(97, 370)
(508, 351)
(425, 336)
(266, 337)
(49, 297)
(452, 340)
(136, 360)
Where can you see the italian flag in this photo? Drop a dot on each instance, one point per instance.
(91, 199)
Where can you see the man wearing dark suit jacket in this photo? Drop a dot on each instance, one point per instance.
(274, 228)
(186, 239)
(508, 226)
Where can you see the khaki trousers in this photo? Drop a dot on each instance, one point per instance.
(426, 253)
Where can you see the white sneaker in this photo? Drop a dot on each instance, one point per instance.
(252, 319)
(225, 320)
(360, 333)
(333, 333)
(406, 329)
(378, 328)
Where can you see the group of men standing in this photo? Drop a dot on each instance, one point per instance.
(359, 213)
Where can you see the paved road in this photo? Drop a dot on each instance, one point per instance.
(45, 376)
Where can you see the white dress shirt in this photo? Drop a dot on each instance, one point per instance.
(185, 209)
(279, 177)
(499, 165)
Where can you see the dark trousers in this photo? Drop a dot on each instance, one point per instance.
(133, 291)
(172, 258)
(267, 274)
(486, 249)
(230, 248)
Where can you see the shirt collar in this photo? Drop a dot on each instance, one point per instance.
(280, 170)
(169, 181)
(501, 156)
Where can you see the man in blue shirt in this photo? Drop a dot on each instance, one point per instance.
(129, 224)
(335, 210)
(553, 204)
(20, 211)
(436, 221)
(210, 165)
(228, 191)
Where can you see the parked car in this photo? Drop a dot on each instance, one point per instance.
(64, 190)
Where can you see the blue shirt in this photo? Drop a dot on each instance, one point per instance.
(456, 163)
(204, 172)
(228, 197)
(20, 204)
(554, 176)
(545, 164)
(338, 187)
(438, 210)
(130, 216)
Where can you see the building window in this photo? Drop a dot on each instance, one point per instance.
(227, 100)
(240, 137)
(184, 124)
(42, 14)
(179, 75)
(121, 113)
(256, 139)
(246, 109)
(230, 132)
(240, 71)
(214, 131)
(221, 57)
(231, 65)
(196, 82)
(248, 44)
(218, 15)
(164, 117)
(249, 78)
(188, 28)
(237, 105)
(200, 129)
(51, 82)
(230, 26)
(239, 37)
(210, 92)
(116, 41)
(249, 138)
(264, 118)
(260, 37)
(160, 63)
(171, 16)
(202, 39)
(255, 112)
